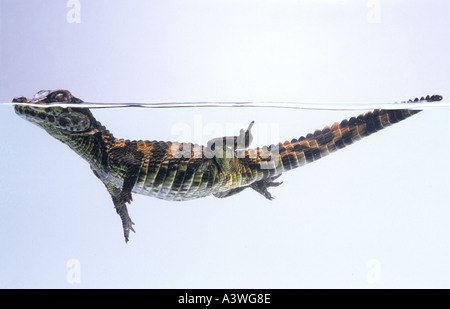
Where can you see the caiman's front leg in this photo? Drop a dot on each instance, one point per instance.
(121, 209)
(121, 196)
(125, 197)
(120, 199)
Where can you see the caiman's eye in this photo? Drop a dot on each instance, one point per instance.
(58, 96)
(61, 97)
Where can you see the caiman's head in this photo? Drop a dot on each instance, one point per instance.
(59, 120)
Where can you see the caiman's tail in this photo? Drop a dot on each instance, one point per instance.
(274, 160)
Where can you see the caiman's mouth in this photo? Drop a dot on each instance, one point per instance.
(58, 117)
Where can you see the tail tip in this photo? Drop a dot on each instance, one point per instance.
(428, 98)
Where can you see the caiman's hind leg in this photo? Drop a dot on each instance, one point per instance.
(223, 149)
(234, 142)
(262, 185)
(224, 154)
(230, 192)
(259, 186)
(229, 144)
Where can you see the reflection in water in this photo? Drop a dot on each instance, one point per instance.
(183, 171)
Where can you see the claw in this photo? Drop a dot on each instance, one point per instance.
(127, 224)
(274, 184)
(262, 185)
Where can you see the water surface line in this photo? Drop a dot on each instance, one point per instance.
(336, 106)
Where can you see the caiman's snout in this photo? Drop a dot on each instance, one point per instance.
(20, 100)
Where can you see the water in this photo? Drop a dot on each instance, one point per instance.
(377, 204)
(373, 215)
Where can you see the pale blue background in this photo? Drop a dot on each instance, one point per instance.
(384, 199)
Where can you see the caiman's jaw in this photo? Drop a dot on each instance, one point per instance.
(57, 118)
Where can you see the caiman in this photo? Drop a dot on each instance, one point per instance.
(183, 171)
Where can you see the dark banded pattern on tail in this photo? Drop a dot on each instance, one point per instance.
(285, 156)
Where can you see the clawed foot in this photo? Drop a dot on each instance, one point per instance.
(127, 224)
(262, 185)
